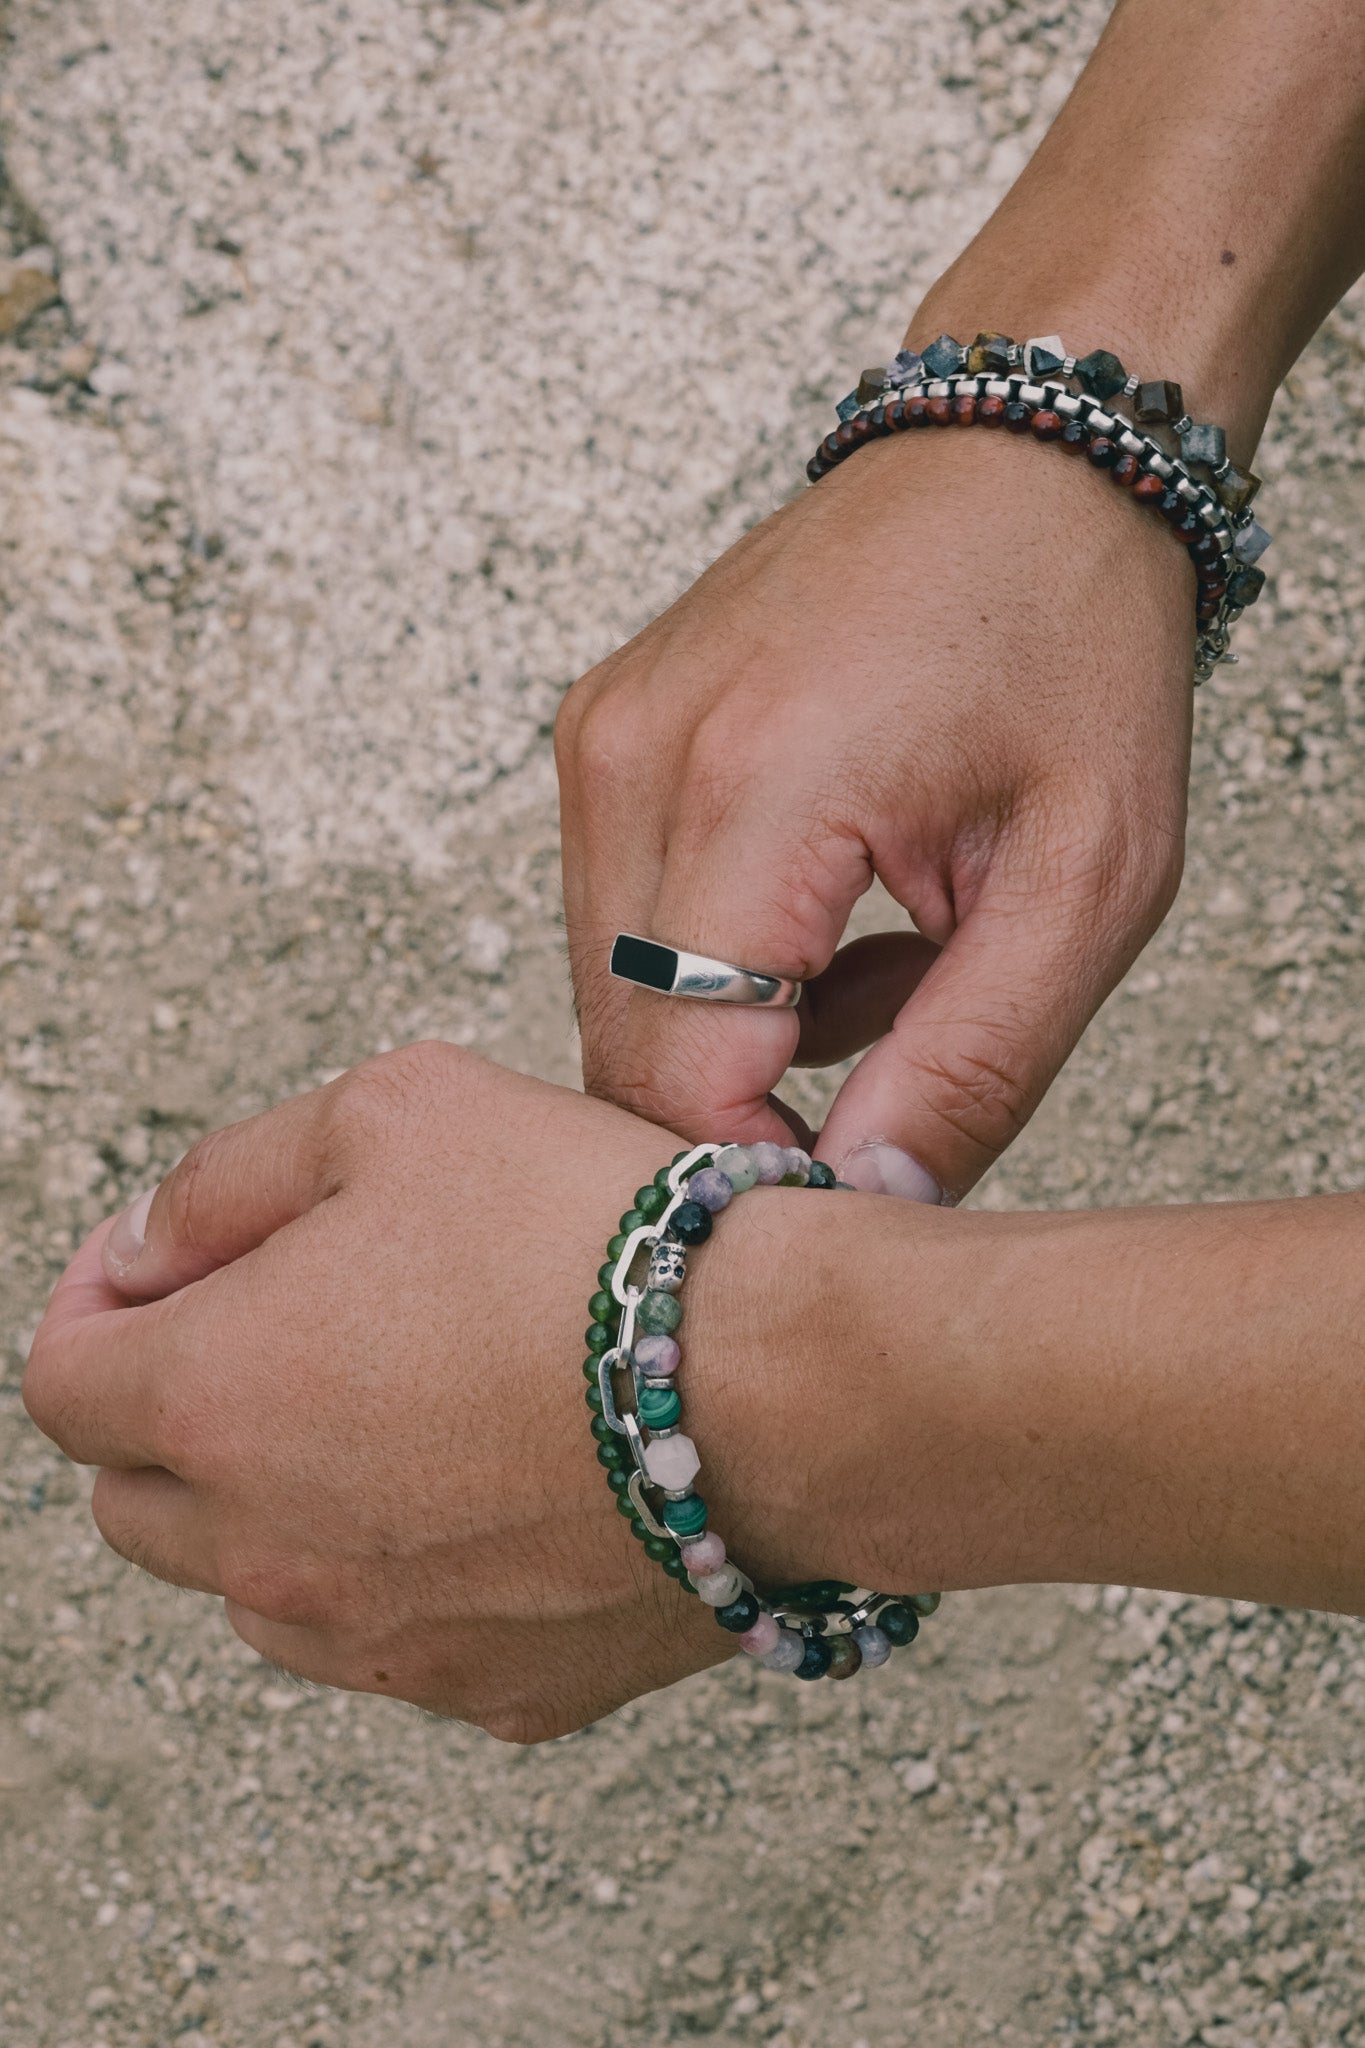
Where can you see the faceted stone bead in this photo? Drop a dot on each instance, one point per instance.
(816, 1658)
(821, 1176)
(990, 412)
(770, 1163)
(658, 1315)
(874, 1644)
(717, 1589)
(739, 1614)
(899, 1624)
(707, 1554)
(1045, 355)
(1075, 436)
(798, 1167)
(1237, 487)
(939, 412)
(1251, 542)
(1101, 374)
(657, 1356)
(1149, 488)
(736, 1163)
(847, 407)
(964, 409)
(667, 1268)
(1017, 417)
(1245, 586)
(1047, 425)
(904, 367)
(1126, 470)
(651, 1202)
(1103, 452)
(989, 355)
(943, 358)
(671, 1461)
(1204, 444)
(659, 1408)
(657, 1548)
(761, 1637)
(923, 1603)
(844, 1657)
(1159, 401)
(690, 1223)
(787, 1652)
(684, 1517)
(871, 383)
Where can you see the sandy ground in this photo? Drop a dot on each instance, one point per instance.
(406, 356)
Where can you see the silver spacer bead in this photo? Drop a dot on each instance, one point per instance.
(1130, 388)
(1182, 425)
(1069, 366)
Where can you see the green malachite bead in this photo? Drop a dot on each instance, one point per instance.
(618, 1479)
(659, 1407)
(625, 1506)
(613, 1458)
(658, 1315)
(615, 1246)
(593, 1397)
(660, 1548)
(632, 1220)
(601, 1308)
(590, 1370)
(603, 1430)
(651, 1202)
(605, 1275)
(685, 1517)
(599, 1338)
(638, 1529)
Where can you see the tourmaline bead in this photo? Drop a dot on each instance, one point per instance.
(1251, 542)
(1149, 488)
(1044, 355)
(1126, 470)
(1245, 586)
(923, 1603)
(1047, 426)
(659, 1408)
(1103, 452)
(964, 409)
(657, 1356)
(1101, 373)
(870, 383)
(989, 355)
(939, 412)
(671, 1461)
(1017, 417)
(598, 1338)
(844, 1657)
(822, 1176)
(657, 1548)
(667, 1268)
(761, 1637)
(787, 1652)
(899, 1624)
(798, 1167)
(711, 1188)
(707, 1554)
(917, 410)
(717, 1589)
(1075, 436)
(739, 1614)
(943, 358)
(816, 1658)
(770, 1163)
(601, 1306)
(736, 1163)
(1158, 402)
(684, 1517)
(658, 1315)
(990, 411)
(874, 1645)
(651, 1202)
(1204, 444)
(690, 1223)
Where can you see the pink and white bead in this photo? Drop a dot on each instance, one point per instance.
(657, 1357)
(704, 1554)
(761, 1640)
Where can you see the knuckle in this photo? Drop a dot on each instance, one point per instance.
(601, 733)
(977, 1089)
(278, 1589)
(183, 1193)
(396, 1086)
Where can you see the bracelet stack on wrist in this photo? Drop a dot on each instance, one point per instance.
(1036, 387)
(821, 1627)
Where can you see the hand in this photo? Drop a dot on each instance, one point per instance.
(958, 664)
(350, 1399)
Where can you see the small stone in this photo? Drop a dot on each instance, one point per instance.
(1158, 402)
(657, 1357)
(1045, 355)
(736, 1163)
(717, 1589)
(667, 1268)
(710, 1188)
(822, 1176)
(907, 367)
(989, 355)
(874, 1644)
(787, 1652)
(761, 1638)
(943, 358)
(770, 1163)
(24, 291)
(690, 1223)
(871, 385)
(1101, 373)
(848, 408)
(657, 1314)
(1245, 586)
(707, 1554)
(110, 379)
(672, 1462)
(1237, 487)
(1251, 542)
(1204, 444)
(76, 362)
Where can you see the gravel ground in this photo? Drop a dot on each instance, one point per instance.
(327, 461)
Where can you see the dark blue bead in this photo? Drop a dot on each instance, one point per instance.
(690, 1223)
(816, 1661)
(740, 1614)
(900, 1624)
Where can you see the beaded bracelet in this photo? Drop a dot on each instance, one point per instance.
(953, 385)
(823, 1627)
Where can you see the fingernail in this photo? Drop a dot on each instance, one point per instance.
(124, 1244)
(881, 1169)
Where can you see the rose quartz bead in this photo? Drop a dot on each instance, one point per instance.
(762, 1637)
(672, 1461)
(707, 1554)
(657, 1357)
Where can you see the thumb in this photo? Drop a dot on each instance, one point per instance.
(229, 1193)
(971, 1054)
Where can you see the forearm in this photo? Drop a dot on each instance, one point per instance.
(1198, 205)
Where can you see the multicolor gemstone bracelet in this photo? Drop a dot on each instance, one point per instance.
(822, 1627)
(1036, 387)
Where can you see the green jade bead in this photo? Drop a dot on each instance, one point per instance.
(590, 1370)
(602, 1307)
(651, 1202)
(659, 1407)
(632, 1220)
(615, 1246)
(625, 1506)
(658, 1315)
(618, 1479)
(660, 1548)
(676, 1569)
(605, 1275)
(593, 1396)
(686, 1517)
(603, 1430)
(599, 1338)
(613, 1459)
(639, 1530)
